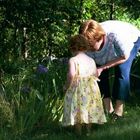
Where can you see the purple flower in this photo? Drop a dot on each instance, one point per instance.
(25, 89)
(41, 69)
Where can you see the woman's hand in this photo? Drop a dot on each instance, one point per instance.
(99, 71)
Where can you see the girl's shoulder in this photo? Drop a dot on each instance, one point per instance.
(72, 59)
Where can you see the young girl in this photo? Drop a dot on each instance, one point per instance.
(82, 102)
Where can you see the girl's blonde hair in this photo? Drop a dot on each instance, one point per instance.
(78, 43)
(91, 29)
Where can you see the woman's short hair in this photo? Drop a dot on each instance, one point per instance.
(91, 29)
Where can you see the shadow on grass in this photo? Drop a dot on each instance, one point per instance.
(127, 129)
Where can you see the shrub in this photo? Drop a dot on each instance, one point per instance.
(6, 113)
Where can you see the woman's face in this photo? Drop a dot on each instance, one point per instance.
(96, 45)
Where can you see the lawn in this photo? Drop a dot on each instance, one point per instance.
(126, 129)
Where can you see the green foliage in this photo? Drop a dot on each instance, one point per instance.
(35, 97)
(132, 7)
(6, 113)
(32, 30)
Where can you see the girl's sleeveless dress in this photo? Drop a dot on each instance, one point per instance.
(83, 102)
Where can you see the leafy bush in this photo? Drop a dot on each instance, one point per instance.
(6, 113)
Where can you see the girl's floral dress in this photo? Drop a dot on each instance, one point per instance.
(83, 102)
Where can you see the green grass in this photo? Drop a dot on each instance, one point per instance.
(126, 129)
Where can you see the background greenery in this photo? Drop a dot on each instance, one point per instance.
(33, 62)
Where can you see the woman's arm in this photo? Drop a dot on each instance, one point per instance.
(112, 63)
